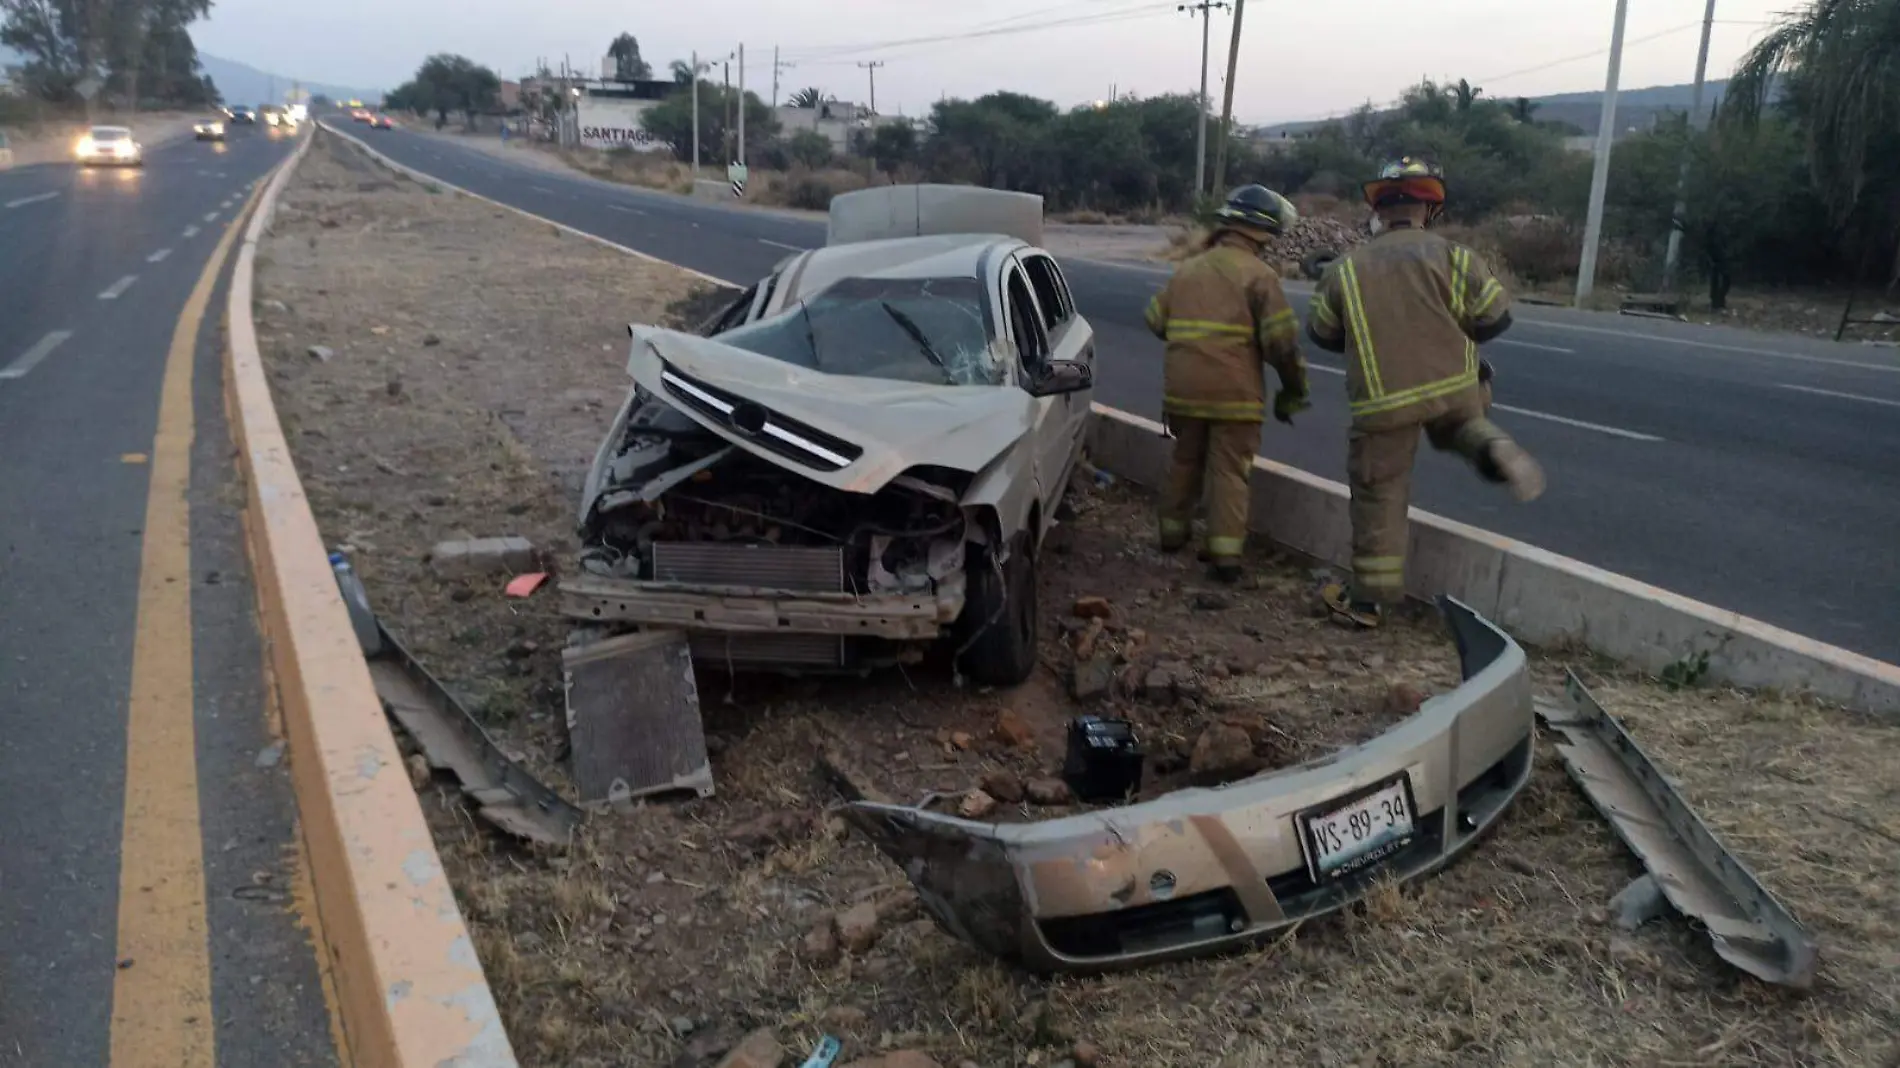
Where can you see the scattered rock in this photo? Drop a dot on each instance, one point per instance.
(1253, 632)
(379, 331)
(1093, 608)
(976, 805)
(961, 740)
(430, 341)
(769, 831)
(1049, 792)
(1004, 786)
(1159, 685)
(270, 756)
(1222, 754)
(1013, 731)
(419, 773)
(821, 944)
(393, 387)
(321, 352)
(1085, 1055)
(858, 927)
(681, 1026)
(1085, 641)
(1638, 903)
(1403, 699)
(760, 1049)
(1094, 677)
(1210, 601)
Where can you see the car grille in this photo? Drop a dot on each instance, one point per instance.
(767, 429)
(766, 650)
(769, 567)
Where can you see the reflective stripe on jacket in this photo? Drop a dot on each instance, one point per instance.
(1222, 315)
(1404, 308)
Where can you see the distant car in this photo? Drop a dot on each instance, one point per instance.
(111, 146)
(243, 116)
(209, 130)
(382, 122)
(362, 115)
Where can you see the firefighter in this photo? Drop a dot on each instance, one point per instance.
(1223, 315)
(1409, 309)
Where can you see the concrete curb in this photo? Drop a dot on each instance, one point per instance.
(430, 179)
(1537, 596)
(410, 990)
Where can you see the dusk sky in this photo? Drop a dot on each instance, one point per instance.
(1298, 59)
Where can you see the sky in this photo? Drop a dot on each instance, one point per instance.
(1299, 59)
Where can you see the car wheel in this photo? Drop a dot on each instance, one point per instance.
(997, 631)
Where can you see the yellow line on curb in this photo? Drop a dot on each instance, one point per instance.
(161, 993)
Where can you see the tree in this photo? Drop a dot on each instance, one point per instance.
(809, 97)
(65, 41)
(446, 83)
(809, 148)
(893, 145)
(1464, 94)
(628, 66)
(672, 121)
(1522, 109)
(681, 71)
(1839, 64)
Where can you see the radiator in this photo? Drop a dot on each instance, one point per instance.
(716, 651)
(768, 567)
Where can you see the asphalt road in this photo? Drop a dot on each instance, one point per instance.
(96, 268)
(1759, 473)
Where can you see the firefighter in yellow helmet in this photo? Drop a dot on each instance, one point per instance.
(1409, 309)
(1224, 315)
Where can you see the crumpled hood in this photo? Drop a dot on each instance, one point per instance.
(899, 425)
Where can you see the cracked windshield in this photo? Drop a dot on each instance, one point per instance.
(1006, 534)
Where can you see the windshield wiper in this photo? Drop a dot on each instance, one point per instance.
(916, 333)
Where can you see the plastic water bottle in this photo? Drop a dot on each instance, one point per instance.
(356, 599)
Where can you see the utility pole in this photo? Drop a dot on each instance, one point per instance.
(777, 66)
(1205, 10)
(1227, 100)
(872, 66)
(695, 114)
(1600, 175)
(742, 105)
(1674, 252)
(725, 132)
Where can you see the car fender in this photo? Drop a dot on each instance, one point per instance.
(1005, 492)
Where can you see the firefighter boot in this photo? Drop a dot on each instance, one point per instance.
(1349, 610)
(1507, 462)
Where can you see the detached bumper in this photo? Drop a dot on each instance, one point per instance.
(753, 611)
(1199, 871)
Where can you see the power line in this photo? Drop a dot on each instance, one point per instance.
(829, 54)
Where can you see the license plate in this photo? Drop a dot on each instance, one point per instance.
(1346, 835)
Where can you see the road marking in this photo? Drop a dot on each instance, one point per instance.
(623, 207)
(1613, 431)
(781, 244)
(159, 255)
(211, 216)
(32, 357)
(161, 991)
(134, 458)
(542, 189)
(1842, 396)
(228, 201)
(1665, 340)
(24, 201)
(1534, 345)
(118, 288)
(191, 231)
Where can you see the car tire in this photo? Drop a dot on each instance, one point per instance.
(998, 628)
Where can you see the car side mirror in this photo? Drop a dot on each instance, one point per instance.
(1060, 376)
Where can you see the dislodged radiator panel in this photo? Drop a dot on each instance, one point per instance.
(766, 567)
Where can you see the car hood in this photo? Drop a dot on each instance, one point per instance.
(899, 425)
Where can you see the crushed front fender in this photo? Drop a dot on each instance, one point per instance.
(1200, 871)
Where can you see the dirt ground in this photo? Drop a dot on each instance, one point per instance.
(474, 360)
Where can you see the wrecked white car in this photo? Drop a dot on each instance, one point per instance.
(859, 457)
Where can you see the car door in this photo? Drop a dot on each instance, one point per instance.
(1029, 333)
(1070, 338)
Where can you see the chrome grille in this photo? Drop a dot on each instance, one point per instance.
(768, 567)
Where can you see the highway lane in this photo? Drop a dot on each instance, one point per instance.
(1755, 472)
(105, 943)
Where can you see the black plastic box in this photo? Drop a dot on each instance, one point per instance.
(1104, 759)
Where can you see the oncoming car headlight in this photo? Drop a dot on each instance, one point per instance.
(85, 147)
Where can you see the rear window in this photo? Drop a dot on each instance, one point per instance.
(926, 330)
(110, 133)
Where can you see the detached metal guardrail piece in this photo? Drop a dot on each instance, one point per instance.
(504, 794)
(1749, 928)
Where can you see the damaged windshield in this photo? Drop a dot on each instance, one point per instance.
(925, 330)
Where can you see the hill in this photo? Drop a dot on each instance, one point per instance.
(1635, 108)
(242, 83)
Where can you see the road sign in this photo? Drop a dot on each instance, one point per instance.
(736, 174)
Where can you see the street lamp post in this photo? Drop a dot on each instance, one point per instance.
(1600, 174)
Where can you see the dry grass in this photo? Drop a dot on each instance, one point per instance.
(688, 916)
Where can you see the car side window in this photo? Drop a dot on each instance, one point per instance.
(1052, 293)
(732, 315)
(1025, 322)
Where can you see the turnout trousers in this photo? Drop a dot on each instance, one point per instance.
(1215, 456)
(1379, 469)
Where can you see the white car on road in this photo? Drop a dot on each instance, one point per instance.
(859, 457)
(112, 145)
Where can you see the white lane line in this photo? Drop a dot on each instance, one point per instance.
(781, 244)
(1685, 342)
(542, 189)
(1842, 396)
(159, 255)
(35, 199)
(31, 357)
(1613, 431)
(211, 216)
(1533, 345)
(228, 201)
(629, 211)
(191, 232)
(118, 288)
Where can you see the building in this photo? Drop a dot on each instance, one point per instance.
(607, 113)
(836, 120)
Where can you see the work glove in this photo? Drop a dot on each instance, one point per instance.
(1289, 402)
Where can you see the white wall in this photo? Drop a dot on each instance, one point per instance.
(613, 122)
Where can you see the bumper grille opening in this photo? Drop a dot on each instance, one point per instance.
(1485, 796)
(1195, 918)
(766, 567)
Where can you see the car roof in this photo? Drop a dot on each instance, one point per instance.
(937, 256)
(112, 129)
